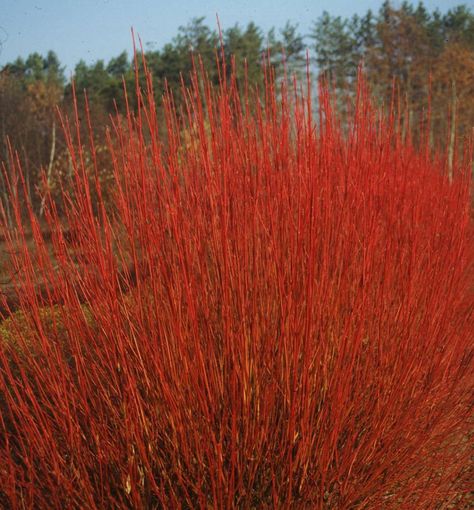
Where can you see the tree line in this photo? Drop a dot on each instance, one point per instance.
(426, 57)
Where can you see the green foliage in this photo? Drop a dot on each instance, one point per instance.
(119, 66)
(334, 47)
(245, 46)
(287, 50)
(37, 68)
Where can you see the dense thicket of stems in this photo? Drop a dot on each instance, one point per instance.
(274, 315)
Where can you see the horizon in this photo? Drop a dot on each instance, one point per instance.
(29, 26)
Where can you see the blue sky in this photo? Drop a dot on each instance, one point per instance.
(93, 29)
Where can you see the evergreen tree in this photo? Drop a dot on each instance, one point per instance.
(334, 45)
(246, 47)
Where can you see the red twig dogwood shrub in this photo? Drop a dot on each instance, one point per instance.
(277, 312)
